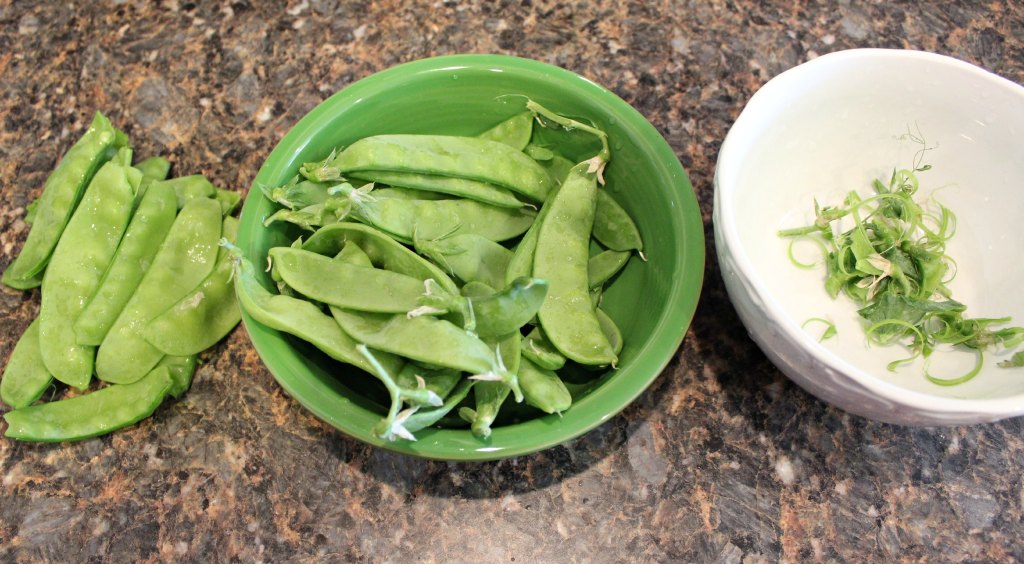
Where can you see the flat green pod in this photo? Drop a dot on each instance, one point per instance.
(186, 257)
(567, 315)
(61, 193)
(25, 377)
(515, 131)
(92, 414)
(145, 233)
(81, 257)
(203, 316)
(613, 227)
(463, 157)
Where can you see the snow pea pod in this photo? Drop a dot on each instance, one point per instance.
(489, 396)
(185, 258)
(301, 318)
(521, 263)
(352, 254)
(383, 251)
(429, 219)
(314, 216)
(433, 298)
(441, 381)
(610, 330)
(450, 185)
(506, 311)
(539, 153)
(424, 418)
(462, 157)
(613, 227)
(146, 231)
(514, 131)
(25, 376)
(188, 188)
(469, 257)
(76, 267)
(153, 169)
(426, 339)
(475, 289)
(602, 266)
(558, 168)
(542, 388)
(180, 369)
(408, 194)
(296, 194)
(205, 315)
(229, 200)
(567, 316)
(30, 211)
(93, 414)
(338, 283)
(61, 193)
(541, 352)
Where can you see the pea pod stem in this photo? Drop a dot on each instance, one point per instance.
(391, 427)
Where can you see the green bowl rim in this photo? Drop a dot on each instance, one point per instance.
(616, 393)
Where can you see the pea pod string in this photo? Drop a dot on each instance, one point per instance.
(892, 263)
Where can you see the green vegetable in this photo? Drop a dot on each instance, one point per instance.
(25, 376)
(333, 282)
(427, 322)
(146, 231)
(432, 183)
(124, 256)
(892, 262)
(567, 316)
(514, 132)
(77, 265)
(613, 226)
(187, 256)
(153, 169)
(59, 199)
(484, 160)
(203, 316)
(93, 414)
(830, 328)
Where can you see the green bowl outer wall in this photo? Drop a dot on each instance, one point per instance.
(652, 302)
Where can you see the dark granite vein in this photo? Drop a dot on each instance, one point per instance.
(722, 459)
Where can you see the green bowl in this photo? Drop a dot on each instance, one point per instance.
(652, 301)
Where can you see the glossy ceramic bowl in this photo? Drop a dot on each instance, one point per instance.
(830, 126)
(652, 302)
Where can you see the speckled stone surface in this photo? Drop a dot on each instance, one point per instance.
(723, 459)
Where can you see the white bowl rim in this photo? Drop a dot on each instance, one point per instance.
(725, 171)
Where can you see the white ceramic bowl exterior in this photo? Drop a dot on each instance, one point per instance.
(833, 125)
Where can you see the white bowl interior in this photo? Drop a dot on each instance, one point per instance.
(833, 125)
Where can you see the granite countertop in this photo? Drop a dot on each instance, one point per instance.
(722, 459)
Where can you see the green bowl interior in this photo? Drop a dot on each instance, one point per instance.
(652, 302)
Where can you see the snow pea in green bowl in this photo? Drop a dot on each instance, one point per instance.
(651, 300)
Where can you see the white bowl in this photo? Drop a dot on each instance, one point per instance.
(832, 125)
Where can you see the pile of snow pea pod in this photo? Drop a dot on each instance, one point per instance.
(133, 286)
(464, 273)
